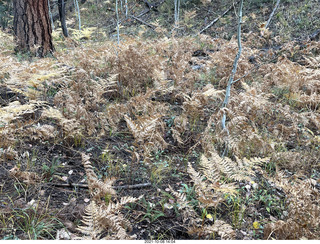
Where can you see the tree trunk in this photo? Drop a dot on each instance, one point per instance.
(32, 27)
(62, 14)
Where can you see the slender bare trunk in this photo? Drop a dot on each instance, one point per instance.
(62, 15)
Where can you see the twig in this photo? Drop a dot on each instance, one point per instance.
(136, 186)
(233, 72)
(246, 74)
(144, 12)
(216, 19)
(271, 15)
(143, 22)
(86, 185)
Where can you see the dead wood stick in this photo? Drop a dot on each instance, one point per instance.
(144, 12)
(216, 19)
(136, 186)
(246, 74)
(143, 22)
(271, 15)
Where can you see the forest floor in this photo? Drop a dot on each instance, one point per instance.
(145, 116)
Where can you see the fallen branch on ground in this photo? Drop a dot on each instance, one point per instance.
(143, 22)
(136, 186)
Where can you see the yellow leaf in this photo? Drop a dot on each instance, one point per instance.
(256, 225)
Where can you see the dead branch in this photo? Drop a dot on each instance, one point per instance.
(143, 22)
(136, 186)
(216, 19)
(271, 15)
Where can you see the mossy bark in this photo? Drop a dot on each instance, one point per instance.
(32, 26)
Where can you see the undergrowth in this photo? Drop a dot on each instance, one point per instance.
(80, 133)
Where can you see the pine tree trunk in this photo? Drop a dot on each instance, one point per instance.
(32, 26)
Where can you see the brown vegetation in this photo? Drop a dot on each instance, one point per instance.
(100, 115)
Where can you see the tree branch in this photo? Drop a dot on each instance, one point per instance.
(143, 22)
(216, 19)
(271, 15)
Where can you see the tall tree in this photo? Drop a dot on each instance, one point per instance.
(32, 26)
(62, 15)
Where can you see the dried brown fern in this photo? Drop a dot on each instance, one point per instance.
(211, 191)
(209, 194)
(194, 106)
(190, 217)
(238, 170)
(98, 189)
(103, 218)
(106, 221)
(303, 219)
(69, 129)
(194, 223)
(81, 101)
(148, 132)
(25, 176)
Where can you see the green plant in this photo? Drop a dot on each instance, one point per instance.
(151, 212)
(191, 194)
(112, 165)
(50, 90)
(208, 77)
(158, 171)
(270, 167)
(269, 199)
(238, 207)
(35, 222)
(50, 170)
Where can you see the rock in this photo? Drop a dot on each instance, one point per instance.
(248, 187)
(243, 232)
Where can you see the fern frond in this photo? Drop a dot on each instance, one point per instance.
(98, 188)
(240, 170)
(209, 169)
(114, 207)
(189, 215)
(197, 178)
(92, 226)
(223, 229)
(106, 220)
(180, 197)
(209, 191)
(148, 131)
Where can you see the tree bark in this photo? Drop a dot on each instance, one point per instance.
(62, 14)
(32, 27)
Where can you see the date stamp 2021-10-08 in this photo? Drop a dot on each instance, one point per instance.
(159, 241)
